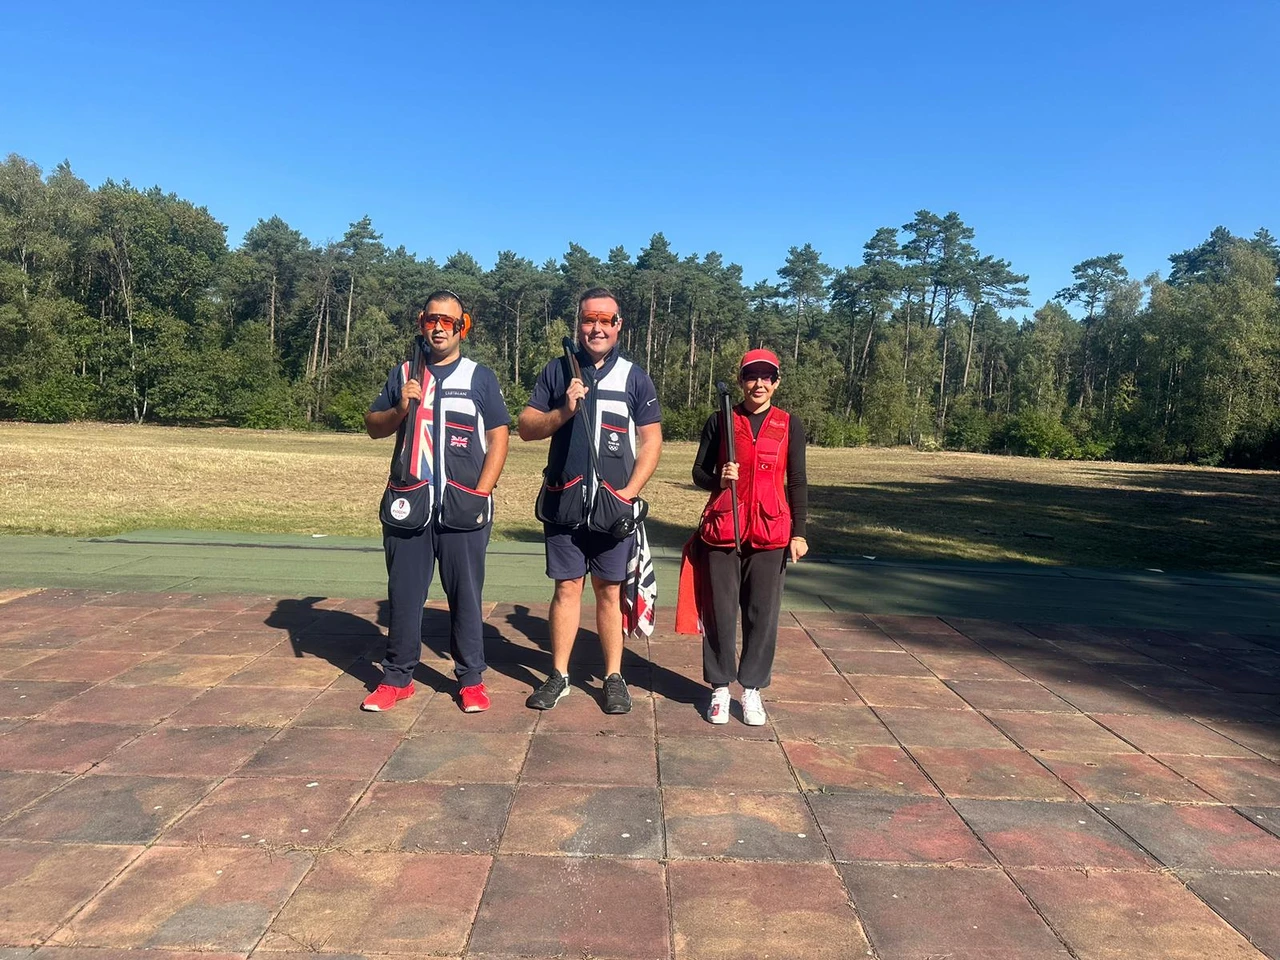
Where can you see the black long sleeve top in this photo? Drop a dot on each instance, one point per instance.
(706, 465)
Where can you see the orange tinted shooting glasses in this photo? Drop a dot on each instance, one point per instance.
(430, 321)
(596, 316)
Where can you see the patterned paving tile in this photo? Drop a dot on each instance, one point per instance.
(1231, 780)
(585, 821)
(183, 671)
(573, 758)
(180, 898)
(1009, 695)
(41, 884)
(62, 747)
(274, 814)
(810, 688)
(738, 824)
(990, 774)
(106, 809)
(728, 909)
(30, 698)
(879, 663)
(1248, 903)
(1121, 916)
(914, 912)
(427, 818)
(907, 692)
(320, 752)
(109, 703)
(93, 666)
(896, 829)
(228, 705)
(843, 723)
(19, 789)
(1171, 735)
(1197, 838)
(1122, 777)
(882, 770)
(1036, 834)
(1055, 731)
(943, 728)
(187, 751)
(724, 763)
(459, 757)
(525, 911)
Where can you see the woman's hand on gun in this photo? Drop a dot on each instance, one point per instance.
(728, 472)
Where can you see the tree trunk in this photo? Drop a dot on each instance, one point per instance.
(692, 355)
(648, 331)
(346, 336)
(272, 324)
(968, 353)
(519, 306)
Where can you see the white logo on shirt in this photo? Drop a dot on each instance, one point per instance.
(400, 508)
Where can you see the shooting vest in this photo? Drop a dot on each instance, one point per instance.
(449, 445)
(764, 515)
(568, 483)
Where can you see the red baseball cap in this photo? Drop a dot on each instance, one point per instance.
(759, 356)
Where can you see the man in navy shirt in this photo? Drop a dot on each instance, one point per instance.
(459, 435)
(616, 411)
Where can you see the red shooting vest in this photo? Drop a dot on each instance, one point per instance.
(764, 515)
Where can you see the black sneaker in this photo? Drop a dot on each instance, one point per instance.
(616, 697)
(550, 693)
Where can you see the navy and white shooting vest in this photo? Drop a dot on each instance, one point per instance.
(568, 482)
(449, 446)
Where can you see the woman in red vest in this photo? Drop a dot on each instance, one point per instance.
(772, 497)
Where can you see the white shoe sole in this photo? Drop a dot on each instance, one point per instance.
(756, 721)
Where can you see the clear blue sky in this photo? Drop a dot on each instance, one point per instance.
(1058, 130)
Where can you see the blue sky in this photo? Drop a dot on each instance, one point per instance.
(1059, 131)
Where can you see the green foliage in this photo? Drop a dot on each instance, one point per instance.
(970, 428)
(55, 400)
(126, 304)
(1033, 433)
(346, 411)
(685, 424)
(838, 432)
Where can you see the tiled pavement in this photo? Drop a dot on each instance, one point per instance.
(190, 775)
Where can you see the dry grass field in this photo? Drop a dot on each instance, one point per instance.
(96, 479)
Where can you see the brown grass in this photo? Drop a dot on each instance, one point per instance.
(98, 479)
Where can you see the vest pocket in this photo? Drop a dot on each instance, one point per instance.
(774, 516)
(406, 506)
(462, 508)
(563, 504)
(717, 520)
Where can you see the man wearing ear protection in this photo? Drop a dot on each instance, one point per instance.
(620, 417)
(458, 445)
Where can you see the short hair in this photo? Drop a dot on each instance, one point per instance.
(597, 293)
(444, 294)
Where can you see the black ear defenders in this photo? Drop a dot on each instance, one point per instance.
(443, 294)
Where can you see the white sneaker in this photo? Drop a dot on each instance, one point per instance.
(718, 712)
(753, 714)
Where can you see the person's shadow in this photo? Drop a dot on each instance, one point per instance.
(517, 646)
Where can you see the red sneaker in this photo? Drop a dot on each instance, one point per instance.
(474, 699)
(386, 697)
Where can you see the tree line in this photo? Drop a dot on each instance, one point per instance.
(118, 303)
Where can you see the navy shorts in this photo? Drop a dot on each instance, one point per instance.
(572, 551)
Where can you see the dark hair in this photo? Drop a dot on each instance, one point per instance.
(597, 293)
(444, 294)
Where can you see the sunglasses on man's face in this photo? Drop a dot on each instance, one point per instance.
(752, 375)
(431, 320)
(604, 319)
